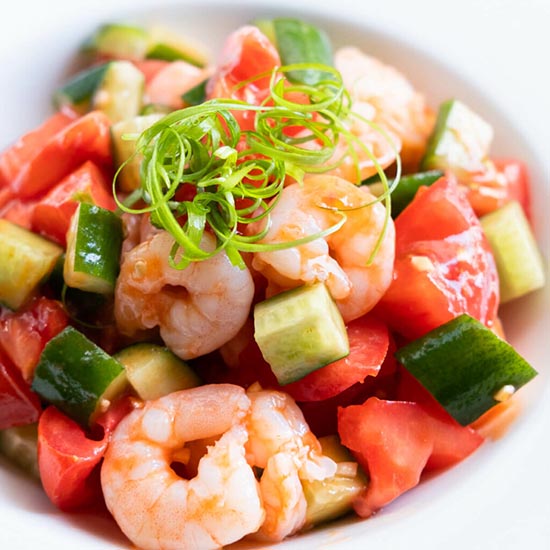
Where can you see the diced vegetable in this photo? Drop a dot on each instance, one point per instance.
(27, 259)
(94, 242)
(168, 46)
(460, 141)
(51, 216)
(406, 189)
(154, 371)
(196, 95)
(19, 445)
(78, 377)
(518, 259)
(124, 136)
(331, 498)
(299, 331)
(117, 40)
(18, 404)
(465, 365)
(441, 255)
(120, 93)
(301, 42)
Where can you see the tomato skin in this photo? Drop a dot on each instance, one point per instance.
(246, 54)
(443, 265)
(396, 442)
(19, 405)
(24, 333)
(505, 180)
(369, 341)
(52, 158)
(51, 216)
(68, 459)
(24, 149)
(391, 442)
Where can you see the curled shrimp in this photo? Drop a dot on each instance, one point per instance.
(281, 443)
(156, 508)
(197, 309)
(341, 259)
(382, 95)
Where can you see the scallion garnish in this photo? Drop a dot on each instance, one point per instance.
(236, 175)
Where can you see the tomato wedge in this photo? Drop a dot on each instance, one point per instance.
(24, 333)
(51, 216)
(443, 264)
(68, 459)
(18, 404)
(45, 158)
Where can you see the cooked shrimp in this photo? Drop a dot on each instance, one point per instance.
(384, 96)
(281, 443)
(155, 507)
(197, 309)
(340, 260)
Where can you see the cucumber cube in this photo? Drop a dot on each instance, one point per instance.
(27, 259)
(299, 331)
(518, 259)
(460, 141)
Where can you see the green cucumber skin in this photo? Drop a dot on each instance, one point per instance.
(407, 187)
(196, 95)
(98, 243)
(82, 86)
(300, 42)
(73, 373)
(463, 364)
(165, 52)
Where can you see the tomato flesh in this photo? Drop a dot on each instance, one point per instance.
(443, 265)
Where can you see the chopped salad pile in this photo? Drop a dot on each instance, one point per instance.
(244, 296)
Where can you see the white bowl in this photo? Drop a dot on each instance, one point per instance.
(491, 56)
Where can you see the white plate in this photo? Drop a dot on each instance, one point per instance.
(490, 54)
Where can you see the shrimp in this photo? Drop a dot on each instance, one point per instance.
(197, 309)
(340, 260)
(381, 94)
(281, 443)
(156, 508)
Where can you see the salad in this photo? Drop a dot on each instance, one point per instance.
(246, 296)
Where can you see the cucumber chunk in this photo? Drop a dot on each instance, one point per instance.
(333, 497)
(27, 259)
(19, 444)
(518, 259)
(465, 366)
(460, 141)
(120, 93)
(299, 331)
(154, 371)
(94, 242)
(196, 95)
(78, 377)
(124, 135)
(79, 90)
(119, 41)
(169, 46)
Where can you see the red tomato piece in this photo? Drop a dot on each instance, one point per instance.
(247, 53)
(51, 216)
(54, 156)
(368, 341)
(392, 442)
(503, 181)
(24, 333)
(18, 212)
(443, 264)
(68, 459)
(13, 159)
(18, 404)
(150, 67)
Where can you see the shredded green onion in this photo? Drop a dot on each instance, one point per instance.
(233, 178)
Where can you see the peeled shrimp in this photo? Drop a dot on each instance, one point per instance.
(197, 309)
(281, 443)
(340, 260)
(384, 96)
(156, 508)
